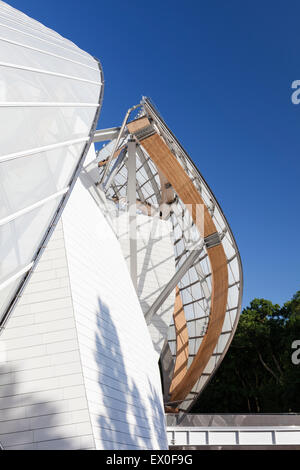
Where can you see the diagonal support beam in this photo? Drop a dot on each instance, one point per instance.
(131, 198)
(149, 173)
(102, 135)
(120, 134)
(115, 169)
(192, 257)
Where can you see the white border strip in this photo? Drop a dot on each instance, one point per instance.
(10, 41)
(45, 148)
(45, 104)
(78, 51)
(11, 217)
(48, 72)
(35, 26)
(16, 276)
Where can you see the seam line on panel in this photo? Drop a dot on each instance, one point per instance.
(40, 379)
(40, 367)
(41, 403)
(44, 148)
(41, 391)
(27, 209)
(45, 104)
(38, 357)
(77, 51)
(56, 41)
(16, 276)
(44, 427)
(31, 24)
(25, 33)
(46, 52)
(48, 72)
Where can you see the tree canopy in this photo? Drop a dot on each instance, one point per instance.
(257, 374)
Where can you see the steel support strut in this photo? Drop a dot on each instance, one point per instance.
(190, 260)
(131, 199)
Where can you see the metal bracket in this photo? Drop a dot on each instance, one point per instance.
(212, 240)
(144, 133)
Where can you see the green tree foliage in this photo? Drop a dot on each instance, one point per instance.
(257, 374)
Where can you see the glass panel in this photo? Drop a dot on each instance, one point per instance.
(15, 54)
(26, 126)
(20, 238)
(51, 88)
(27, 180)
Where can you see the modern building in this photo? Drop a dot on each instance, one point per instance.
(120, 279)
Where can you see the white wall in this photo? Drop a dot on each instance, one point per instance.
(155, 267)
(42, 394)
(119, 363)
(81, 371)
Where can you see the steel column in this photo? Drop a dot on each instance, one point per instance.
(131, 199)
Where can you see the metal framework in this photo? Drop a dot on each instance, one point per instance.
(209, 284)
(143, 164)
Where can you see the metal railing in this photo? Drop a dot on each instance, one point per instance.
(233, 436)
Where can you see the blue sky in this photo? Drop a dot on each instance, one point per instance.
(220, 73)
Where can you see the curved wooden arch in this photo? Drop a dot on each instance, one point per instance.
(182, 342)
(168, 165)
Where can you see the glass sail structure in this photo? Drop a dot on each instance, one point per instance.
(50, 98)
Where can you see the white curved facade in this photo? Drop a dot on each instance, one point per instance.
(50, 94)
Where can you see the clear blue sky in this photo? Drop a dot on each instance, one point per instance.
(220, 72)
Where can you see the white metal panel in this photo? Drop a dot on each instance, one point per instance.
(41, 382)
(287, 437)
(224, 438)
(181, 438)
(197, 438)
(255, 437)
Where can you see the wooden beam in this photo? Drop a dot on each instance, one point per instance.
(138, 124)
(116, 154)
(217, 315)
(182, 342)
(167, 163)
(170, 171)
